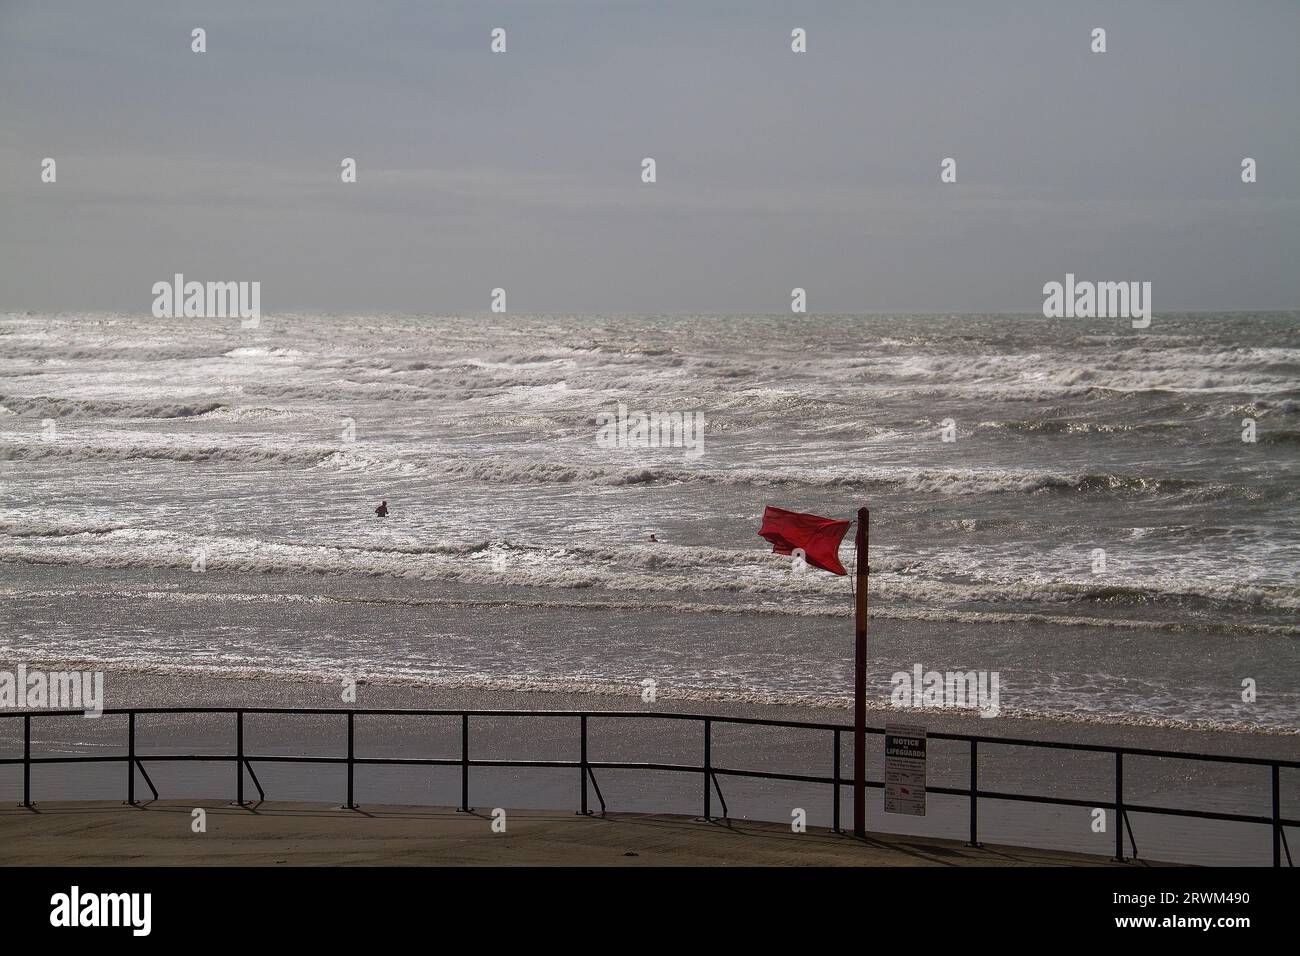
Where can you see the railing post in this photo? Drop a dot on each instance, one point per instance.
(27, 760)
(1277, 817)
(582, 770)
(1119, 806)
(130, 758)
(350, 804)
(464, 763)
(239, 757)
(974, 793)
(835, 772)
(708, 769)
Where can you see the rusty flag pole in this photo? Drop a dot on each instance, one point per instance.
(860, 678)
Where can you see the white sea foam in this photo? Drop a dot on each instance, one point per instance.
(128, 444)
(630, 569)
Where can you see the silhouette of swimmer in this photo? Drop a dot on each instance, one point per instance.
(653, 538)
(382, 510)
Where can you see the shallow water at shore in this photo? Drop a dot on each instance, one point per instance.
(292, 628)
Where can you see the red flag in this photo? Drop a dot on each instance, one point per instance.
(818, 537)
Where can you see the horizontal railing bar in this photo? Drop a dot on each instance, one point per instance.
(1024, 797)
(678, 768)
(636, 765)
(774, 775)
(138, 756)
(570, 764)
(665, 715)
(1110, 805)
(1206, 814)
(411, 712)
(20, 760)
(606, 765)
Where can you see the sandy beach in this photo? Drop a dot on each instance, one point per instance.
(303, 834)
(1008, 769)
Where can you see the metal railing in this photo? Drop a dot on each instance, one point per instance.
(709, 772)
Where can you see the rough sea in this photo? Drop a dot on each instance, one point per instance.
(191, 496)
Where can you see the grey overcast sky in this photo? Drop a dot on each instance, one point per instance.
(775, 169)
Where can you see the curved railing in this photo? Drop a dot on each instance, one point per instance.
(707, 769)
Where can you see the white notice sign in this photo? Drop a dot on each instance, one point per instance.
(905, 769)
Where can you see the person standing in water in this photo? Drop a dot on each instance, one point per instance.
(382, 510)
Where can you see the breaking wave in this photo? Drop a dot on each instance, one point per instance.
(62, 450)
(933, 481)
(901, 584)
(44, 406)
